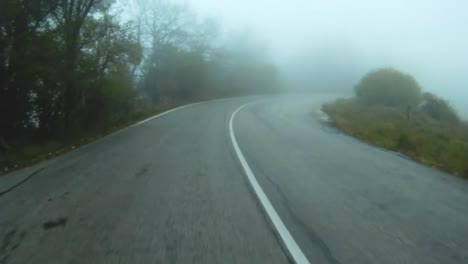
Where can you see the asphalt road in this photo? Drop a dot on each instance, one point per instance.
(172, 190)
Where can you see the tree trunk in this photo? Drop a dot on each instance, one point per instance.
(71, 58)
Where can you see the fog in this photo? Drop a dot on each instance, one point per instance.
(329, 45)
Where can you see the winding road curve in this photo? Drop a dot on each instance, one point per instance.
(242, 180)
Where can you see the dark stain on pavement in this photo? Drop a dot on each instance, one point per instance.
(142, 171)
(7, 239)
(62, 221)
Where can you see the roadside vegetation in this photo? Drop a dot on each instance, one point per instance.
(391, 110)
(72, 71)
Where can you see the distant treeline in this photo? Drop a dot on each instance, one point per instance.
(73, 65)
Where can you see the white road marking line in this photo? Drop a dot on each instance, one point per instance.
(175, 109)
(161, 114)
(291, 245)
(139, 123)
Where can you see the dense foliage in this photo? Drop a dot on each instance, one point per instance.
(70, 66)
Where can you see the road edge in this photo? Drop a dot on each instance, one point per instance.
(7, 185)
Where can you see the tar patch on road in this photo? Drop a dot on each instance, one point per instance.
(142, 171)
(62, 196)
(62, 221)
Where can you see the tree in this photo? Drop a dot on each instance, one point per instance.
(162, 25)
(246, 67)
(107, 65)
(389, 87)
(71, 16)
(22, 26)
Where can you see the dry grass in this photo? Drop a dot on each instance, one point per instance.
(437, 144)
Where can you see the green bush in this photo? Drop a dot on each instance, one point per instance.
(438, 109)
(388, 87)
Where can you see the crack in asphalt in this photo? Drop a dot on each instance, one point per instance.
(21, 182)
(7, 239)
(311, 234)
(11, 242)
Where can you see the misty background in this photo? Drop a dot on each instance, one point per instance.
(74, 70)
(330, 45)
